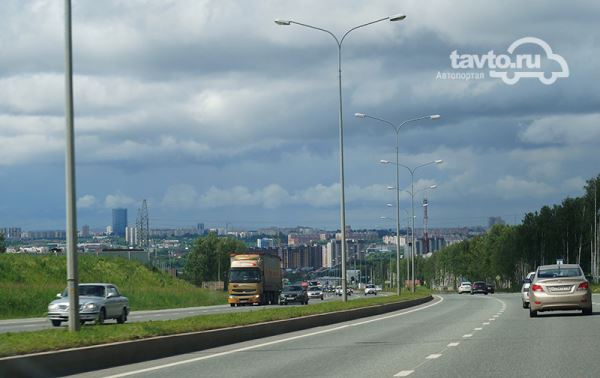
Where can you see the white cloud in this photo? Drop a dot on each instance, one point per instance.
(180, 197)
(118, 200)
(509, 187)
(86, 201)
(564, 129)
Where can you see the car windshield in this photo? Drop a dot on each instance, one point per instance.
(558, 272)
(293, 288)
(244, 275)
(88, 291)
(313, 289)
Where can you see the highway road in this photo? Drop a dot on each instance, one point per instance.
(33, 324)
(452, 336)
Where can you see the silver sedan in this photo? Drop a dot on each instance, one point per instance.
(97, 302)
(559, 287)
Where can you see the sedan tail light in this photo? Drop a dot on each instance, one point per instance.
(583, 286)
(537, 288)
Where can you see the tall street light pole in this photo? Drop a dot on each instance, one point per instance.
(339, 43)
(397, 128)
(71, 209)
(412, 200)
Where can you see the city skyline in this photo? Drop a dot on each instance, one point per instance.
(215, 114)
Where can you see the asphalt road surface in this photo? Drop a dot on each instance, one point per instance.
(452, 336)
(34, 324)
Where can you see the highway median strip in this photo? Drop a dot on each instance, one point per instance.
(58, 339)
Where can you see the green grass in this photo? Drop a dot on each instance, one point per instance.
(55, 339)
(28, 283)
(595, 288)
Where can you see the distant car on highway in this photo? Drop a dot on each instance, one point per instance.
(525, 289)
(338, 291)
(97, 302)
(479, 287)
(559, 287)
(370, 289)
(465, 287)
(315, 292)
(293, 293)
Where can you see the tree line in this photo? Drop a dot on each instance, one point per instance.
(505, 254)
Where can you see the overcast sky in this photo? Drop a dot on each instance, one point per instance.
(215, 114)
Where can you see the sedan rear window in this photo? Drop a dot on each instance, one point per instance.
(552, 273)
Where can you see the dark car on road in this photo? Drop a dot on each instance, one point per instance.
(293, 293)
(479, 287)
(491, 288)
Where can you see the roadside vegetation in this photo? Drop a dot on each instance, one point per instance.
(29, 282)
(55, 339)
(505, 254)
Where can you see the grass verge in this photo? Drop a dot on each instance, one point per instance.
(56, 339)
(29, 282)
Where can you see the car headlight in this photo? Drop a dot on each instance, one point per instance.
(53, 306)
(89, 307)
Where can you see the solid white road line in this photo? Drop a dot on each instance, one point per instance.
(270, 343)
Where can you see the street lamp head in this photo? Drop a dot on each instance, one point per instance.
(384, 161)
(397, 17)
(359, 115)
(391, 187)
(433, 186)
(434, 116)
(283, 22)
(389, 205)
(439, 161)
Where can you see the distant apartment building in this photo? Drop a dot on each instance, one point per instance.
(85, 231)
(358, 235)
(302, 256)
(392, 239)
(200, 228)
(265, 243)
(119, 221)
(11, 232)
(300, 239)
(53, 234)
(435, 244)
(131, 236)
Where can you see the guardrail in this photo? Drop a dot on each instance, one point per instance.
(79, 360)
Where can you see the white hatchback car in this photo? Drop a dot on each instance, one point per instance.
(525, 289)
(465, 287)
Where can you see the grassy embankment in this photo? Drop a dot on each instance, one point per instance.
(28, 283)
(55, 339)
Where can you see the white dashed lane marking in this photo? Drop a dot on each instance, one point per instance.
(453, 344)
(404, 373)
(433, 356)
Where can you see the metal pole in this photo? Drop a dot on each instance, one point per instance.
(398, 290)
(72, 274)
(412, 200)
(342, 195)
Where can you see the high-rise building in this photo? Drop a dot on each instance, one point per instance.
(119, 222)
(85, 231)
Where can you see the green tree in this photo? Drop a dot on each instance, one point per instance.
(209, 258)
